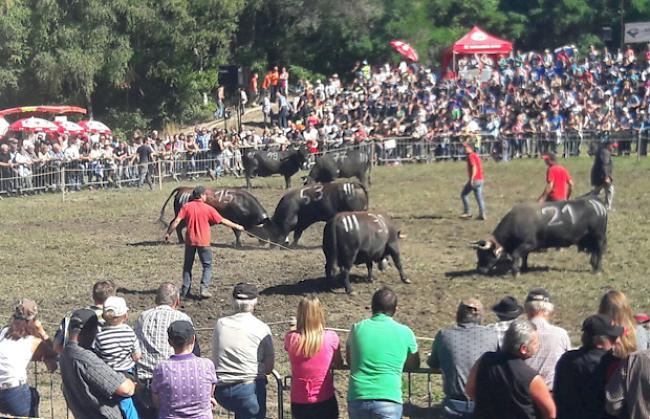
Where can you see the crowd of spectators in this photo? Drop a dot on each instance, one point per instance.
(521, 366)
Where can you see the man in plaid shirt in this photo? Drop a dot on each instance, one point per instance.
(151, 330)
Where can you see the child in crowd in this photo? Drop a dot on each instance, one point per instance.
(117, 345)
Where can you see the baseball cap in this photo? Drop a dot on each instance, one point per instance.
(601, 325)
(198, 191)
(244, 291)
(538, 294)
(472, 304)
(549, 156)
(26, 310)
(117, 305)
(641, 318)
(81, 319)
(180, 332)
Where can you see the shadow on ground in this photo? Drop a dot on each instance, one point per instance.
(312, 286)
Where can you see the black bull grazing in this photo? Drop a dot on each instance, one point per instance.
(300, 208)
(237, 205)
(267, 163)
(352, 238)
(331, 166)
(531, 227)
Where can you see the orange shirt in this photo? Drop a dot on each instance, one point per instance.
(199, 216)
(560, 178)
(275, 76)
(266, 83)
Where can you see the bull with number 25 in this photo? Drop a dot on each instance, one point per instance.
(533, 227)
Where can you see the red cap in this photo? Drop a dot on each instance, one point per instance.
(641, 318)
(615, 145)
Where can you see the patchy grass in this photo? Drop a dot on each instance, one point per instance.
(54, 251)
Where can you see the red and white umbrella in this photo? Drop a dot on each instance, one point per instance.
(33, 125)
(95, 127)
(69, 127)
(404, 49)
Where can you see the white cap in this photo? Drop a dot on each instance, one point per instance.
(117, 305)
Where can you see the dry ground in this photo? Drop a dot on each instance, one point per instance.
(54, 251)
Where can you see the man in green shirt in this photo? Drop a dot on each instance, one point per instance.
(378, 350)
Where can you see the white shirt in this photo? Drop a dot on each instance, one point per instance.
(14, 357)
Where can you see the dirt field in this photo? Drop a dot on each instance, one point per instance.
(54, 251)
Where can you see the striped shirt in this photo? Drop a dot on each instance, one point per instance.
(116, 346)
(151, 330)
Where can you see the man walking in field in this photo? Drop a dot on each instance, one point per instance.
(474, 183)
(601, 173)
(198, 217)
(558, 181)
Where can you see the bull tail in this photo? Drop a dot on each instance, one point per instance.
(330, 247)
(162, 210)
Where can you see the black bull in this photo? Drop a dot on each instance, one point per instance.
(331, 166)
(237, 205)
(300, 208)
(532, 227)
(267, 163)
(352, 238)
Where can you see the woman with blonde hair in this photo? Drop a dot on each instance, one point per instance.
(313, 351)
(615, 305)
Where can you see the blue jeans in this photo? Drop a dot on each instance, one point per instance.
(374, 409)
(19, 401)
(246, 400)
(205, 256)
(477, 187)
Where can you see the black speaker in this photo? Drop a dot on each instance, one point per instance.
(607, 34)
(229, 76)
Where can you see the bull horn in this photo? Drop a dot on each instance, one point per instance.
(401, 235)
(487, 245)
(258, 225)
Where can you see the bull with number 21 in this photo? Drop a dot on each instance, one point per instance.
(533, 227)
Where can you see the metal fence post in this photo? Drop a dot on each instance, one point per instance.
(160, 174)
(62, 181)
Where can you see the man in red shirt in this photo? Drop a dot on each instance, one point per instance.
(474, 183)
(198, 217)
(558, 181)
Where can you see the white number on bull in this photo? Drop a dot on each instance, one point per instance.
(273, 155)
(224, 196)
(350, 222)
(348, 188)
(185, 196)
(555, 215)
(317, 192)
(379, 219)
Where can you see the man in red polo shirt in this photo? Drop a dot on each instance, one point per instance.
(474, 183)
(558, 181)
(198, 217)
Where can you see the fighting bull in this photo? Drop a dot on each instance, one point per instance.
(533, 227)
(237, 205)
(352, 238)
(267, 163)
(300, 208)
(330, 166)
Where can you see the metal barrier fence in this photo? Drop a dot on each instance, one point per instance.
(69, 176)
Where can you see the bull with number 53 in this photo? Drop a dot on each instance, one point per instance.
(301, 207)
(533, 227)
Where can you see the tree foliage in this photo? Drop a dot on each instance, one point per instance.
(155, 59)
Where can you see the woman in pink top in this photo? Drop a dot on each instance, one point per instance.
(313, 351)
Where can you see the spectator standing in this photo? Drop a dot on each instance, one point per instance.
(627, 390)
(91, 388)
(242, 352)
(6, 169)
(22, 341)
(283, 106)
(266, 110)
(581, 374)
(503, 386)
(507, 310)
(376, 363)
(553, 340)
(313, 351)
(601, 173)
(615, 305)
(275, 81)
(474, 183)
(454, 352)
(221, 102)
(183, 385)
(283, 81)
(198, 217)
(558, 181)
(151, 330)
(144, 154)
(252, 87)
(117, 345)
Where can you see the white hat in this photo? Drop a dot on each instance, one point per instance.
(117, 305)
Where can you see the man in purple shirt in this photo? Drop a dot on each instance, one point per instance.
(183, 385)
